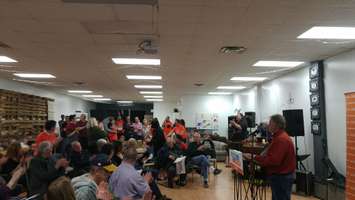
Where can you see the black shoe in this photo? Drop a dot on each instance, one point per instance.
(205, 184)
(217, 171)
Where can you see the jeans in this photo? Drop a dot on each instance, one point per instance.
(203, 163)
(281, 186)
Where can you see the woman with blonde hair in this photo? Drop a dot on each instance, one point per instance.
(60, 189)
(94, 134)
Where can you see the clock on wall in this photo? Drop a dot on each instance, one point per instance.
(314, 85)
(315, 126)
(314, 71)
(315, 113)
(314, 97)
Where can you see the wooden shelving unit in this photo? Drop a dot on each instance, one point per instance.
(22, 116)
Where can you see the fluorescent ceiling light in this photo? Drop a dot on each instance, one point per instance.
(230, 87)
(80, 91)
(153, 97)
(26, 75)
(154, 100)
(220, 93)
(138, 77)
(5, 59)
(151, 92)
(149, 86)
(92, 96)
(326, 32)
(102, 99)
(248, 78)
(125, 102)
(136, 61)
(264, 63)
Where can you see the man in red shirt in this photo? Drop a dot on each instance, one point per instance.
(279, 160)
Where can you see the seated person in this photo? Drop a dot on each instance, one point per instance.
(166, 157)
(42, 170)
(127, 183)
(79, 159)
(86, 186)
(11, 160)
(117, 153)
(60, 189)
(195, 155)
(210, 150)
(104, 156)
(6, 189)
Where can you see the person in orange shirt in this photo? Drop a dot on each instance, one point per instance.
(167, 126)
(181, 134)
(48, 134)
(119, 124)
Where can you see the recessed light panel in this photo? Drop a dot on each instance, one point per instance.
(149, 86)
(139, 77)
(248, 78)
(28, 75)
(154, 100)
(5, 59)
(92, 96)
(153, 97)
(220, 93)
(102, 99)
(151, 92)
(136, 61)
(80, 91)
(230, 87)
(273, 63)
(125, 102)
(327, 32)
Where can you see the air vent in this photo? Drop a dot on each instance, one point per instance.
(198, 84)
(5, 46)
(147, 47)
(137, 2)
(233, 49)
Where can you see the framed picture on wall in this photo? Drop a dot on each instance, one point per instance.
(314, 71)
(315, 113)
(314, 97)
(315, 126)
(314, 85)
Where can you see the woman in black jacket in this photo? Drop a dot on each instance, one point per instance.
(158, 138)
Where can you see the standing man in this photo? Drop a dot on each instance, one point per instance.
(81, 125)
(279, 160)
(240, 128)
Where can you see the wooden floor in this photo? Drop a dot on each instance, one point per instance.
(221, 188)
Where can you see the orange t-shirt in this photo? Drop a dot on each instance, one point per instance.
(44, 136)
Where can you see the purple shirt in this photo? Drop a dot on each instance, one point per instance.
(127, 182)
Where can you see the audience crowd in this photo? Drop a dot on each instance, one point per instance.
(114, 158)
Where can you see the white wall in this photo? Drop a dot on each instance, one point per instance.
(288, 92)
(221, 105)
(63, 104)
(339, 73)
(163, 109)
(191, 105)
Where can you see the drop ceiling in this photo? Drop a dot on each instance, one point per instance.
(76, 41)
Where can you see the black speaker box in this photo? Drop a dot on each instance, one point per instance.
(304, 183)
(250, 117)
(294, 122)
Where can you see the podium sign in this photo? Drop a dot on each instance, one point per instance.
(236, 161)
